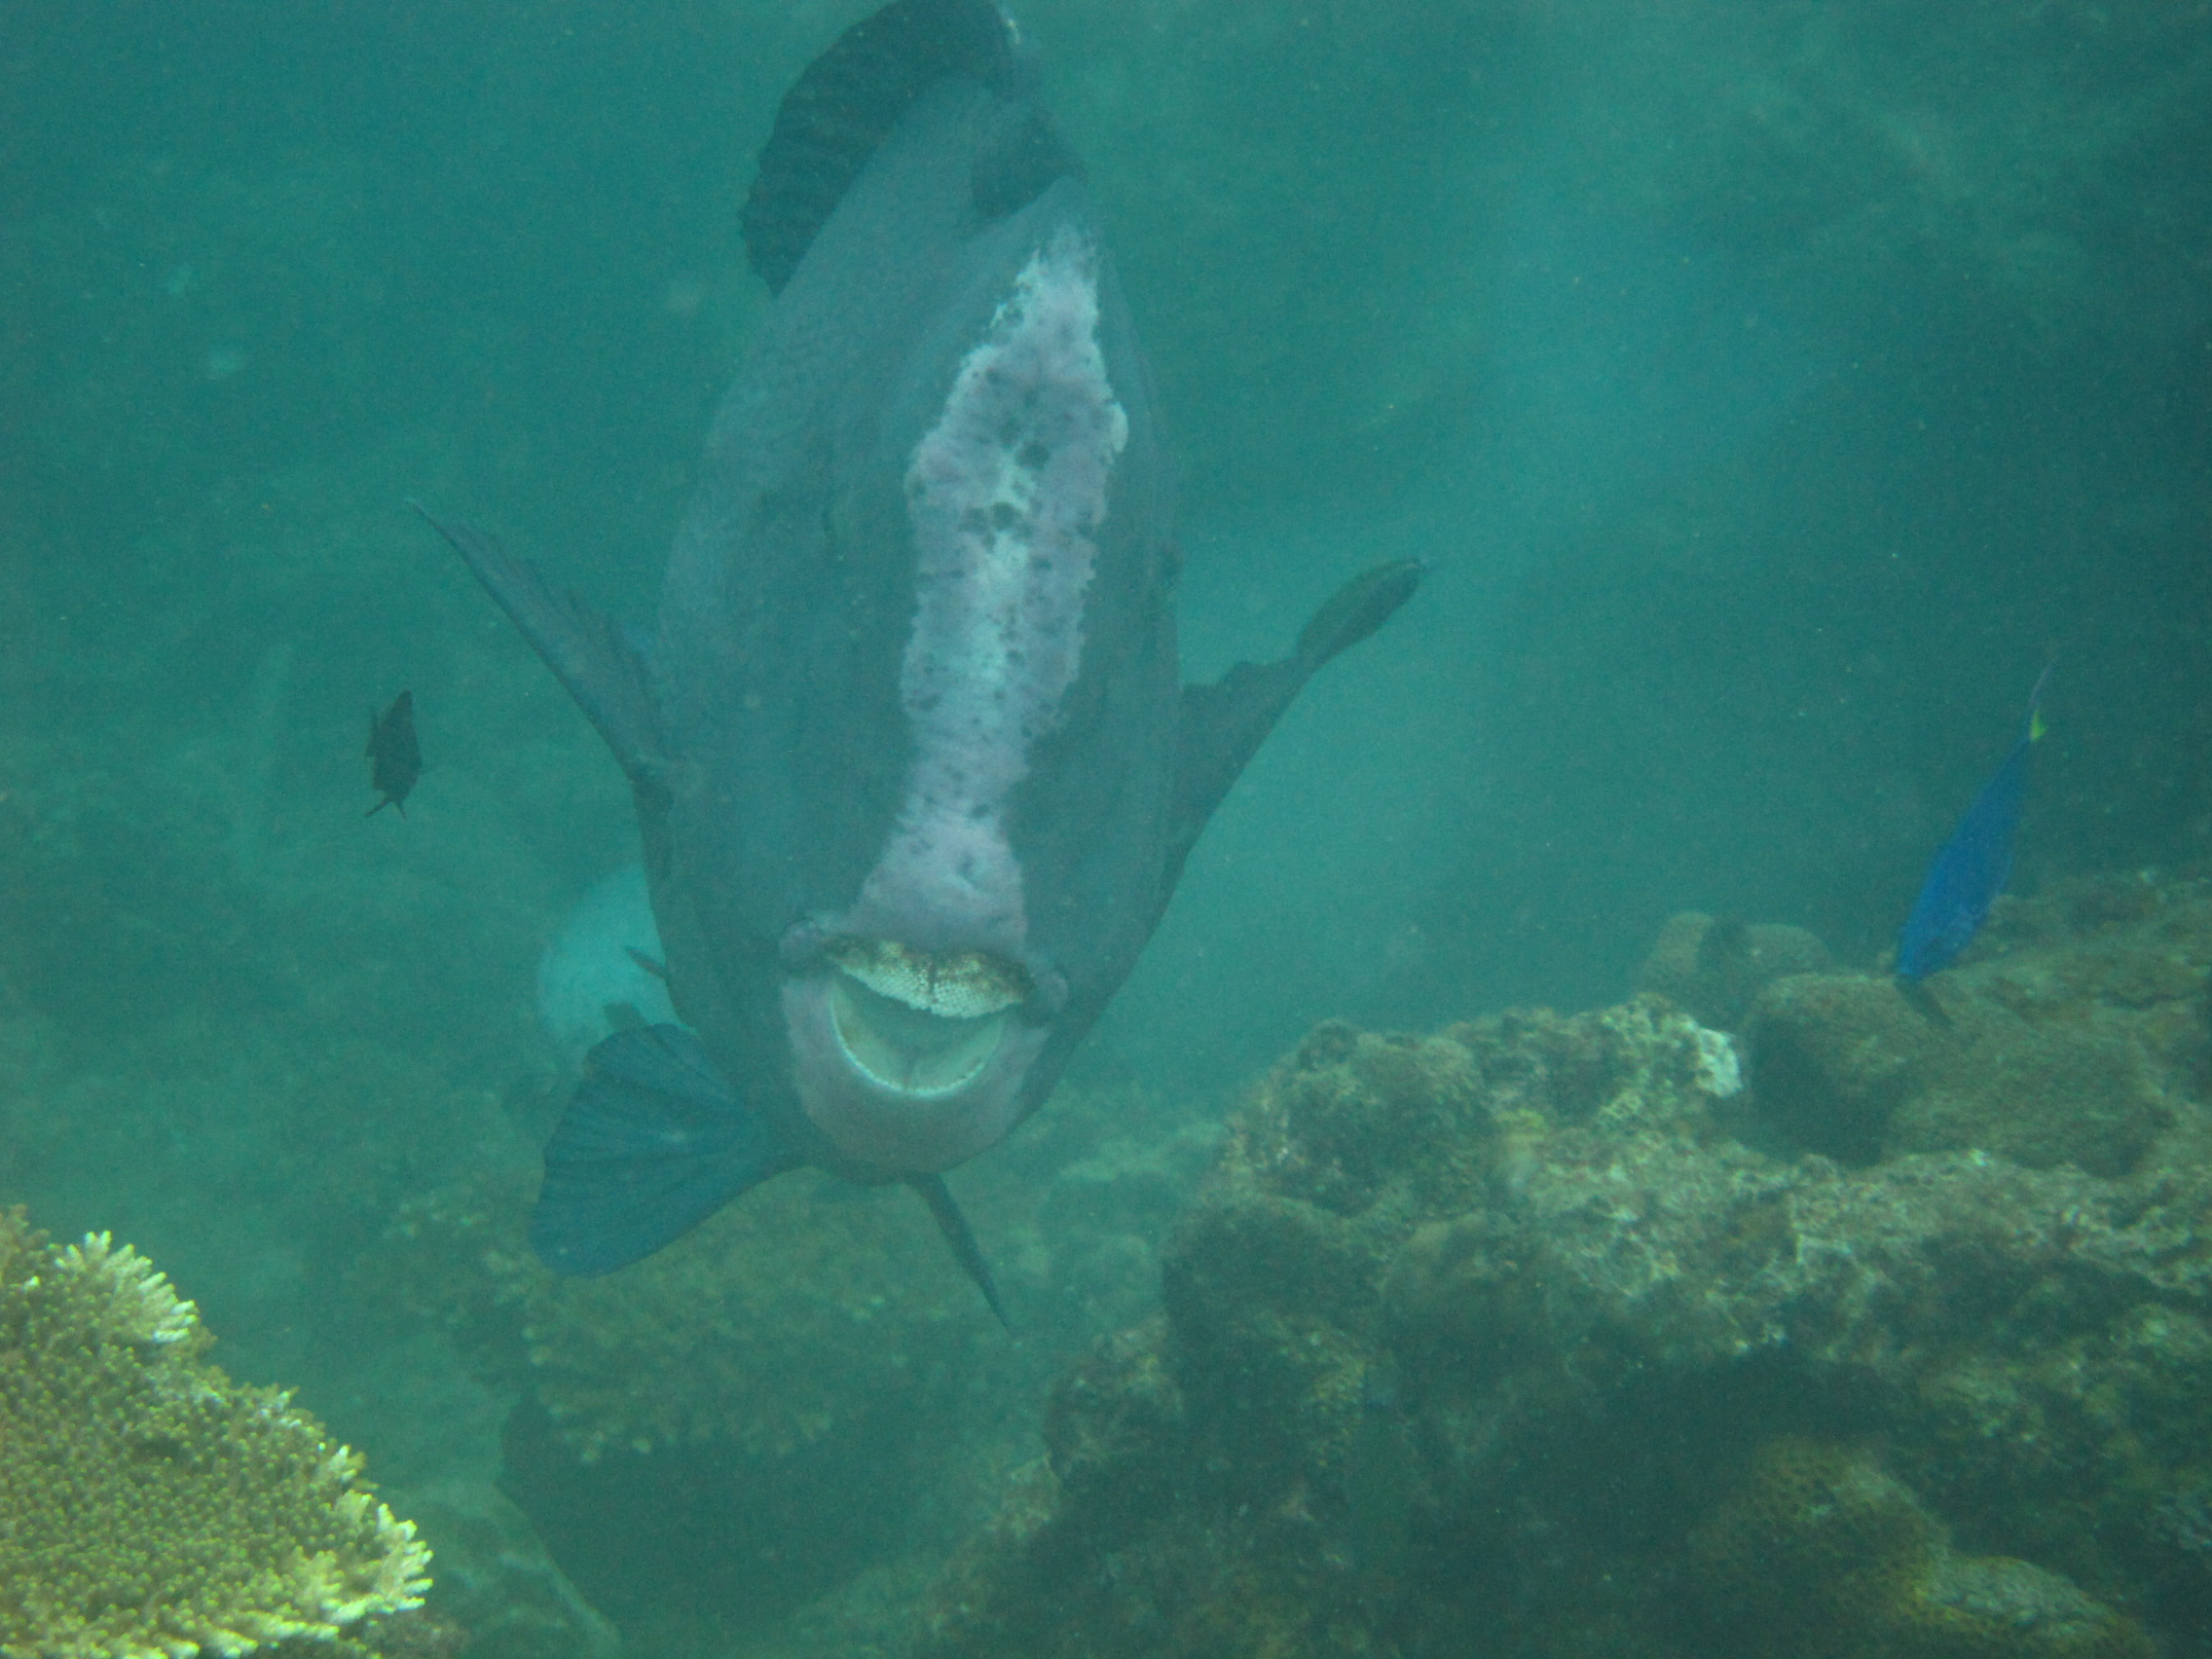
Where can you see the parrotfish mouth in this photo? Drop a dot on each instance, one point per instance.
(910, 1060)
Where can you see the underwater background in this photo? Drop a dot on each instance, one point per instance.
(1772, 390)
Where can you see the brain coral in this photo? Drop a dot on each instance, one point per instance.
(153, 1508)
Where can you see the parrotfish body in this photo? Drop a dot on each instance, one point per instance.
(914, 769)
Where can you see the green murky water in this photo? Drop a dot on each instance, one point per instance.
(1772, 390)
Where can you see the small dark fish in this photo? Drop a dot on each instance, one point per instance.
(1973, 866)
(395, 759)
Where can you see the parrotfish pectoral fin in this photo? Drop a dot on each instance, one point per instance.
(652, 1143)
(1223, 724)
(1357, 608)
(591, 655)
(962, 1238)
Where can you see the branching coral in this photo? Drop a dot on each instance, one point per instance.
(150, 1508)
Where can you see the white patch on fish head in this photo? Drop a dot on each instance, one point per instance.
(912, 1037)
(1005, 495)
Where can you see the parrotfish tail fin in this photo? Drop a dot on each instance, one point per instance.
(961, 1236)
(1222, 725)
(652, 1143)
(591, 655)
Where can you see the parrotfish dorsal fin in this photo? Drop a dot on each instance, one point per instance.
(850, 97)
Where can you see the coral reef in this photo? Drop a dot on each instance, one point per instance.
(1712, 968)
(153, 1507)
(2041, 1048)
(1820, 1551)
(797, 1403)
(1545, 1337)
(496, 1583)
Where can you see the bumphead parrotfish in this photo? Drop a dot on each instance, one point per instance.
(913, 765)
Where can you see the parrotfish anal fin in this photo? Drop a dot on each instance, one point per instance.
(1223, 725)
(652, 1143)
(962, 1238)
(585, 651)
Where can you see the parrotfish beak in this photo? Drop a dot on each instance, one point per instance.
(910, 1061)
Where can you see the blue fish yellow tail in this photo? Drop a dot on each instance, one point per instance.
(1972, 867)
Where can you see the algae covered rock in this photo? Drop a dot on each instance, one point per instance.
(2040, 1098)
(1848, 1066)
(1833, 1056)
(1821, 1551)
(149, 1506)
(1247, 1469)
(1713, 968)
(1542, 1337)
(797, 1403)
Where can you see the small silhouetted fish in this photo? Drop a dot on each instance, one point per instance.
(395, 759)
(1973, 866)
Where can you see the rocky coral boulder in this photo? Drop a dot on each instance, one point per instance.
(1714, 967)
(1818, 1550)
(1543, 1336)
(2060, 1041)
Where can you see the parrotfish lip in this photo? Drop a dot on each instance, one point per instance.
(922, 1024)
(954, 984)
(911, 1059)
(910, 1050)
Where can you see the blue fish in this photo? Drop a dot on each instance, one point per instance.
(914, 770)
(1973, 866)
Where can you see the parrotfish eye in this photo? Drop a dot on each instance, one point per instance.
(921, 1022)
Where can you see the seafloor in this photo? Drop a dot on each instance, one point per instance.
(1551, 1336)
(1771, 1311)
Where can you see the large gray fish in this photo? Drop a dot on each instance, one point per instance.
(913, 765)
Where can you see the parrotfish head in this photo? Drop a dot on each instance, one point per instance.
(915, 1016)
